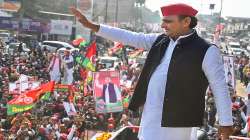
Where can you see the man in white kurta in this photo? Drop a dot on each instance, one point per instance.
(151, 117)
(54, 68)
(150, 127)
(68, 66)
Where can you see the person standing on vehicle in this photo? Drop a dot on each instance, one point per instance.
(68, 67)
(179, 67)
(55, 68)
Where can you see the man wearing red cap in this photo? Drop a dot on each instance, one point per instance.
(179, 67)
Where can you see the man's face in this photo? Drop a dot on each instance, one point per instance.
(174, 26)
(66, 53)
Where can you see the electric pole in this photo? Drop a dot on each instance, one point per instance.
(106, 11)
(116, 11)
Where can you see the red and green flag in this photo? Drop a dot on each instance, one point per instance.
(61, 88)
(136, 53)
(91, 51)
(125, 102)
(47, 89)
(27, 100)
(117, 48)
(86, 61)
(46, 96)
(84, 44)
(78, 41)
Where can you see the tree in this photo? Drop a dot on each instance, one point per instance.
(141, 2)
(31, 8)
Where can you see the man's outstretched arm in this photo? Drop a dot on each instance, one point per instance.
(138, 40)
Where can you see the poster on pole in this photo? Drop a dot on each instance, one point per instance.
(229, 71)
(107, 92)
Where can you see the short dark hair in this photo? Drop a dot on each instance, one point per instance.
(193, 23)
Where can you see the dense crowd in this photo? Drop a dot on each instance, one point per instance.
(243, 68)
(48, 119)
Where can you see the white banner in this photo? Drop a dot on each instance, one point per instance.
(23, 84)
(61, 27)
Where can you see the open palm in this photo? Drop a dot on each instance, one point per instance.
(78, 15)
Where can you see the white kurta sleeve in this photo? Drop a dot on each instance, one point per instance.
(138, 40)
(214, 70)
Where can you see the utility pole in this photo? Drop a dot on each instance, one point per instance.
(106, 11)
(139, 4)
(221, 6)
(220, 16)
(73, 34)
(116, 11)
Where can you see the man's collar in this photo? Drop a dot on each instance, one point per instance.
(192, 31)
(187, 38)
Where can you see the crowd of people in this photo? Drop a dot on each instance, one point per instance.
(48, 120)
(243, 69)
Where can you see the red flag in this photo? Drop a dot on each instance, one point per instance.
(218, 30)
(83, 73)
(136, 53)
(219, 27)
(26, 101)
(117, 47)
(26, 98)
(91, 51)
(48, 87)
(77, 41)
(33, 95)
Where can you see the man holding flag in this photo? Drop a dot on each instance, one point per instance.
(178, 69)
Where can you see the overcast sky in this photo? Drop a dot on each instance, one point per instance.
(236, 8)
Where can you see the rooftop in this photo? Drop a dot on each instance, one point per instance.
(10, 6)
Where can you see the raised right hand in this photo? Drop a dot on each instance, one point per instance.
(83, 20)
(79, 16)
